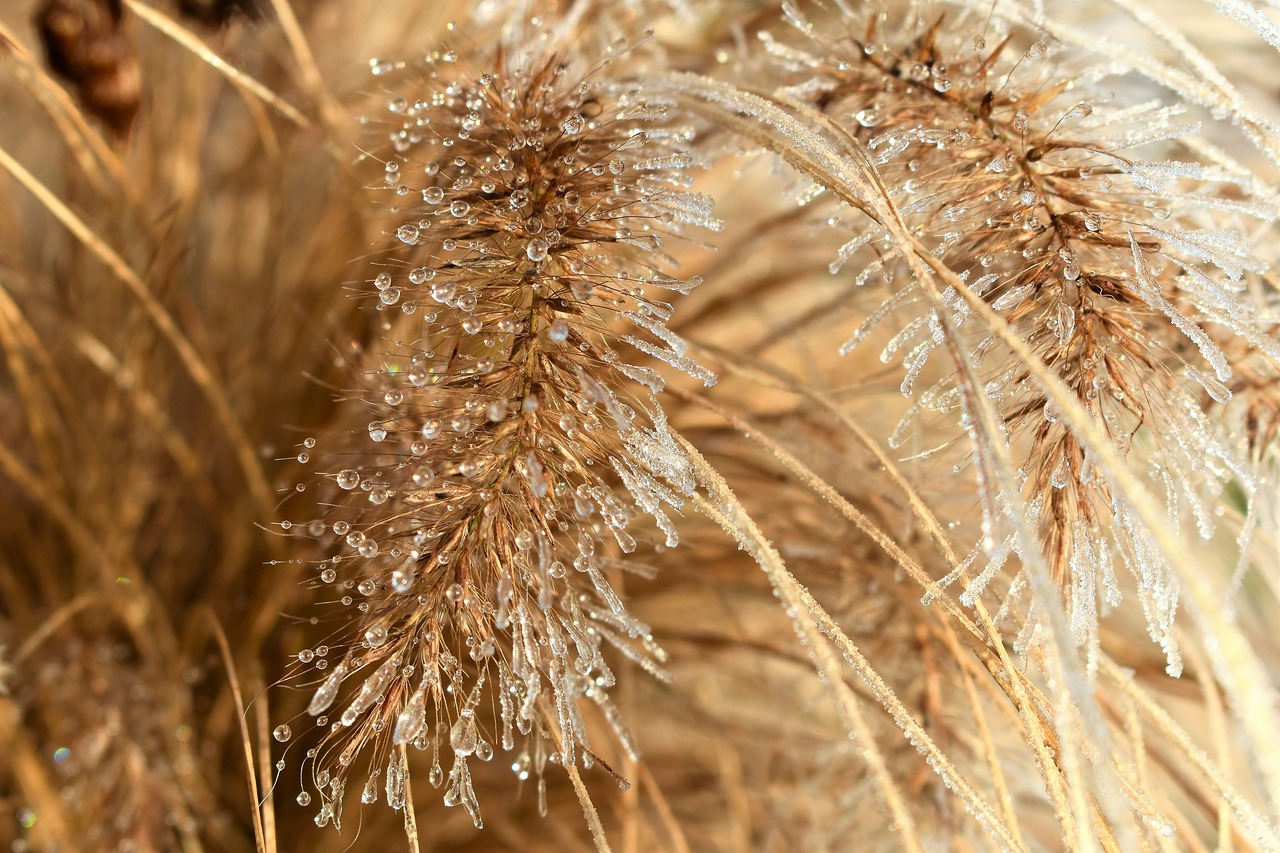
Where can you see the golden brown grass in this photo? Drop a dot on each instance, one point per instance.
(187, 295)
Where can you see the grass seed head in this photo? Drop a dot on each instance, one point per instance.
(512, 435)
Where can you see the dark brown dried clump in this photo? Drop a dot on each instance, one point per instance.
(85, 44)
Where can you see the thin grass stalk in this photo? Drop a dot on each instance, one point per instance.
(818, 632)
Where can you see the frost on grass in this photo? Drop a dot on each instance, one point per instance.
(1089, 227)
(510, 450)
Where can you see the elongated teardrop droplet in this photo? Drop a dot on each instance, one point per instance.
(328, 691)
(372, 688)
(411, 719)
(464, 735)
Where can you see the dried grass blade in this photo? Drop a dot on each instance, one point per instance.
(1253, 823)
(150, 410)
(678, 842)
(164, 323)
(589, 810)
(233, 680)
(821, 633)
(1036, 729)
(266, 808)
(237, 78)
(22, 355)
(312, 81)
(79, 134)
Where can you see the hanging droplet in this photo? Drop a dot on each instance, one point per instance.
(464, 736)
(1059, 477)
(413, 719)
(328, 691)
(282, 733)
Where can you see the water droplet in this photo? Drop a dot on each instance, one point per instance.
(464, 736)
(537, 249)
(407, 234)
(376, 636)
(282, 733)
(573, 124)
(412, 720)
(1060, 476)
(349, 478)
(327, 692)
